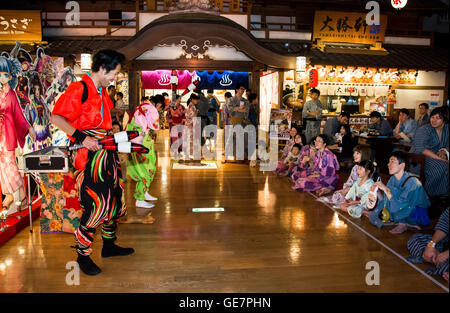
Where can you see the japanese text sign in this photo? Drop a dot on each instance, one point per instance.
(20, 25)
(330, 26)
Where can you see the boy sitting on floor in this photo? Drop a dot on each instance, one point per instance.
(403, 200)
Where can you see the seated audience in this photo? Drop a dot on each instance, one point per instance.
(324, 177)
(306, 161)
(333, 124)
(344, 142)
(360, 153)
(281, 166)
(356, 197)
(403, 200)
(285, 167)
(379, 124)
(431, 140)
(406, 127)
(430, 248)
(423, 118)
(287, 148)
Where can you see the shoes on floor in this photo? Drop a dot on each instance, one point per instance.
(88, 266)
(114, 250)
(144, 204)
(149, 197)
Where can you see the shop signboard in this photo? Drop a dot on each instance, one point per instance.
(350, 27)
(366, 75)
(23, 25)
(301, 64)
(160, 79)
(282, 119)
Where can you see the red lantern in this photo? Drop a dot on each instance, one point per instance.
(313, 78)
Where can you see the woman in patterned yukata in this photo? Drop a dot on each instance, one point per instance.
(191, 114)
(356, 198)
(431, 140)
(177, 117)
(142, 167)
(13, 129)
(324, 177)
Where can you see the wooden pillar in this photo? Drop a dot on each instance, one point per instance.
(133, 89)
(137, 16)
(280, 87)
(444, 101)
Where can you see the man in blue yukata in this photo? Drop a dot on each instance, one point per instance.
(406, 127)
(403, 199)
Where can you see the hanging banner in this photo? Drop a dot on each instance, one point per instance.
(21, 25)
(331, 26)
(222, 80)
(160, 79)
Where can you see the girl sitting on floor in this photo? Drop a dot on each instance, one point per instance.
(356, 197)
(285, 167)
(360, 153)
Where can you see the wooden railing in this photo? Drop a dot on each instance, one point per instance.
(111, 25)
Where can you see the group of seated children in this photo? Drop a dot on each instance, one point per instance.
(311, 167)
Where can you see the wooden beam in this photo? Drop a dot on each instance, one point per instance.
(200, 65)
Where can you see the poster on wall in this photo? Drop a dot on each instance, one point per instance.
(282, 119)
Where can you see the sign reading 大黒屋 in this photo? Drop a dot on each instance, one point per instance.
(350, 27)
(20, 25)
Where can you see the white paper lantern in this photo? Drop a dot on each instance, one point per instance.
(398, 4)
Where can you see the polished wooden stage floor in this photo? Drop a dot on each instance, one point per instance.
(269, 239)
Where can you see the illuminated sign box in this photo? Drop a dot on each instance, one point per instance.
(20, 25)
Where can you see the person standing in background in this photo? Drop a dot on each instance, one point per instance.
(253, 113)
(214, 107)
(112, 94)
(312, 114)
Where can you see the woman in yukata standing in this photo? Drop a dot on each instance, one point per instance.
(141, 167)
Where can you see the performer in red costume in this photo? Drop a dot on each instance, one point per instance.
(83, 112)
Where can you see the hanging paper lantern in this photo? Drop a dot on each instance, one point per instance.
(313, 78)
(398, 4)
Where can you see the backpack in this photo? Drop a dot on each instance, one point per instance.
(85, 94)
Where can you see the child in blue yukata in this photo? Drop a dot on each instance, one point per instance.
(356, 197)
(403, 200)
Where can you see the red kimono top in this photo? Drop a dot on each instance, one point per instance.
(16, 126)
(89, 115)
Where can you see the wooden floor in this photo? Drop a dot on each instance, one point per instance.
(269, 239)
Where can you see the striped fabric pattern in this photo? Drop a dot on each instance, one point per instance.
(436, 171)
